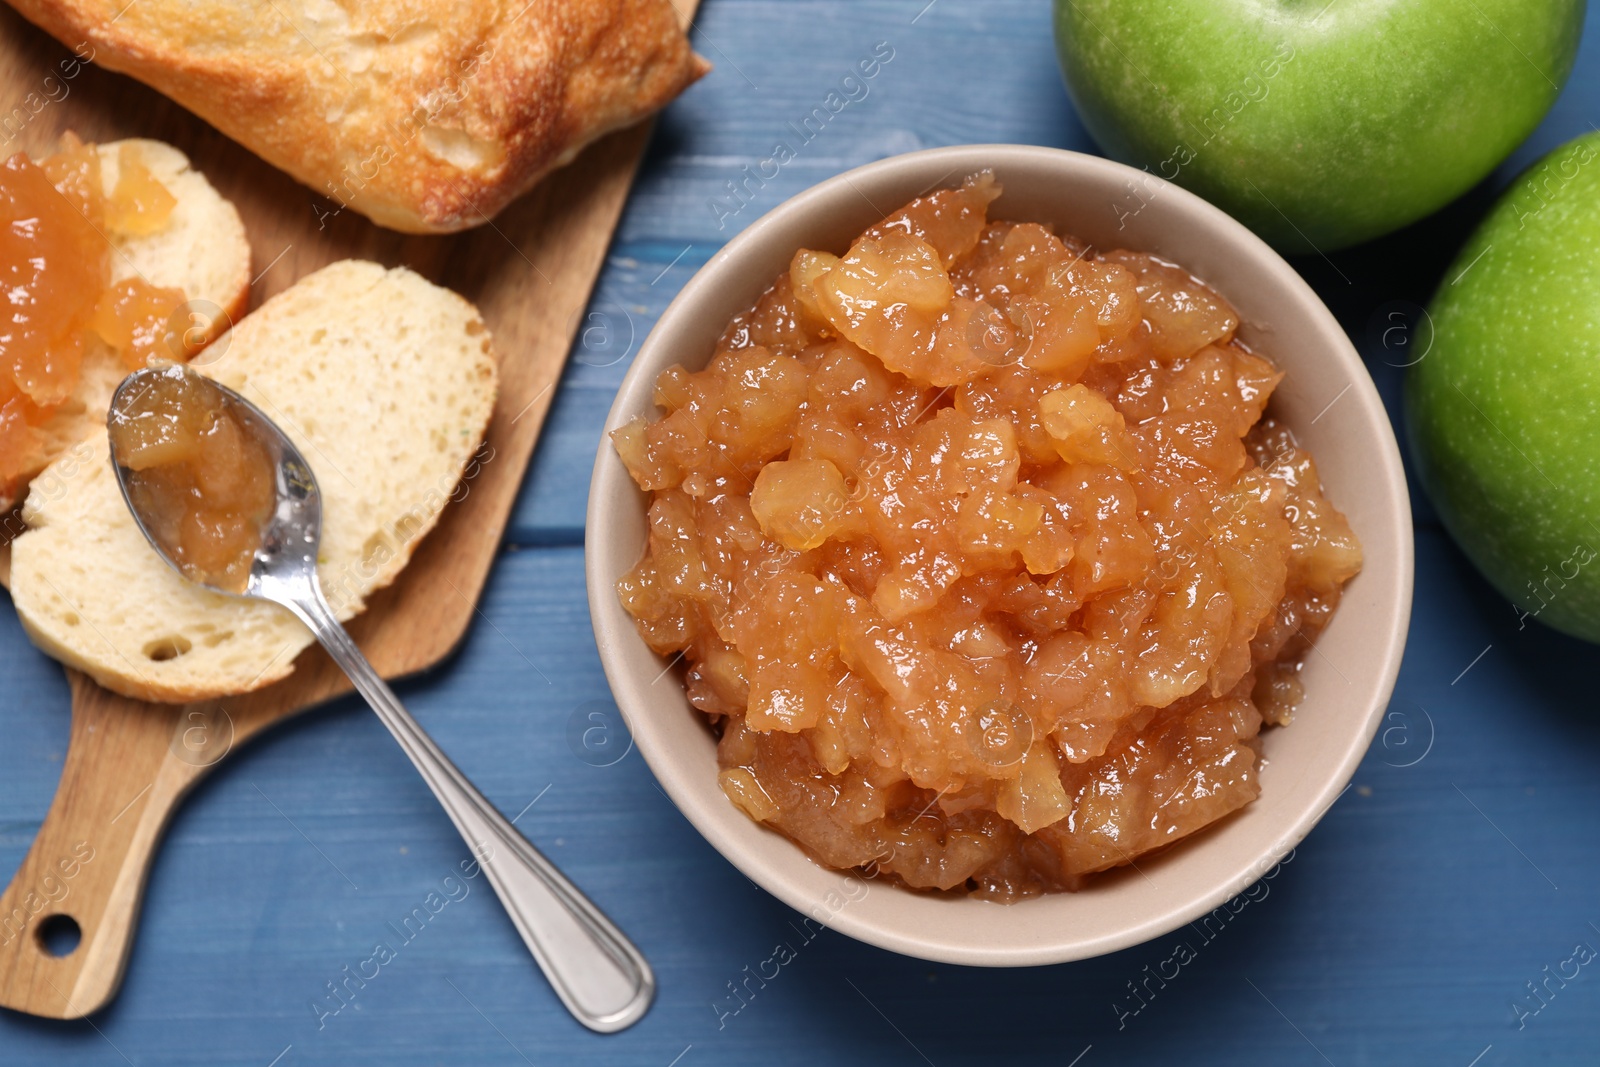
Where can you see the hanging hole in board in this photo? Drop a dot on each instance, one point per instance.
(59, 935)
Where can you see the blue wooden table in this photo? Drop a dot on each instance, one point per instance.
(1455, 878)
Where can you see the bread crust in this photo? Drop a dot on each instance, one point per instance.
(426, 116)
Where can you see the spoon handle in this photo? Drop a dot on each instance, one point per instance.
(596, 971)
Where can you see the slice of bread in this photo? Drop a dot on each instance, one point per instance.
(202, 250)
(383, 380)
(428, 116)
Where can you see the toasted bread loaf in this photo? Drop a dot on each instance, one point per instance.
(383, 380)
(426, 117)
(202, 250)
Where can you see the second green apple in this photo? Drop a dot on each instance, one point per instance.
(1503, 408)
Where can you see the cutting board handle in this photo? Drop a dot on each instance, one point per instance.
(128, 764)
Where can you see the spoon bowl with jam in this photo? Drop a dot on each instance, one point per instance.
(227, 500)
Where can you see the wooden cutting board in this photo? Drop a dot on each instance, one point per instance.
(129, 764)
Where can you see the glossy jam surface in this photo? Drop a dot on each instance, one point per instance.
(203, 484)
(985, 565)
(56, 290)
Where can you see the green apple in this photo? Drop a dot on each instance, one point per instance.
(1318, 123)
(1503, 410)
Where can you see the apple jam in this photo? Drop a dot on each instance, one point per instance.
(56, 225)
(203, 482)
(985, 565)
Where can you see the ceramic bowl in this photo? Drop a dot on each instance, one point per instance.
(1327, 398)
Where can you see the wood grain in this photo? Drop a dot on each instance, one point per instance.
(129, 763)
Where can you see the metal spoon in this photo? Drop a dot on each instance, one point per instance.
(596, 971)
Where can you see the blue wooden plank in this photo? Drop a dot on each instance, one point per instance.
(1459, 868)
